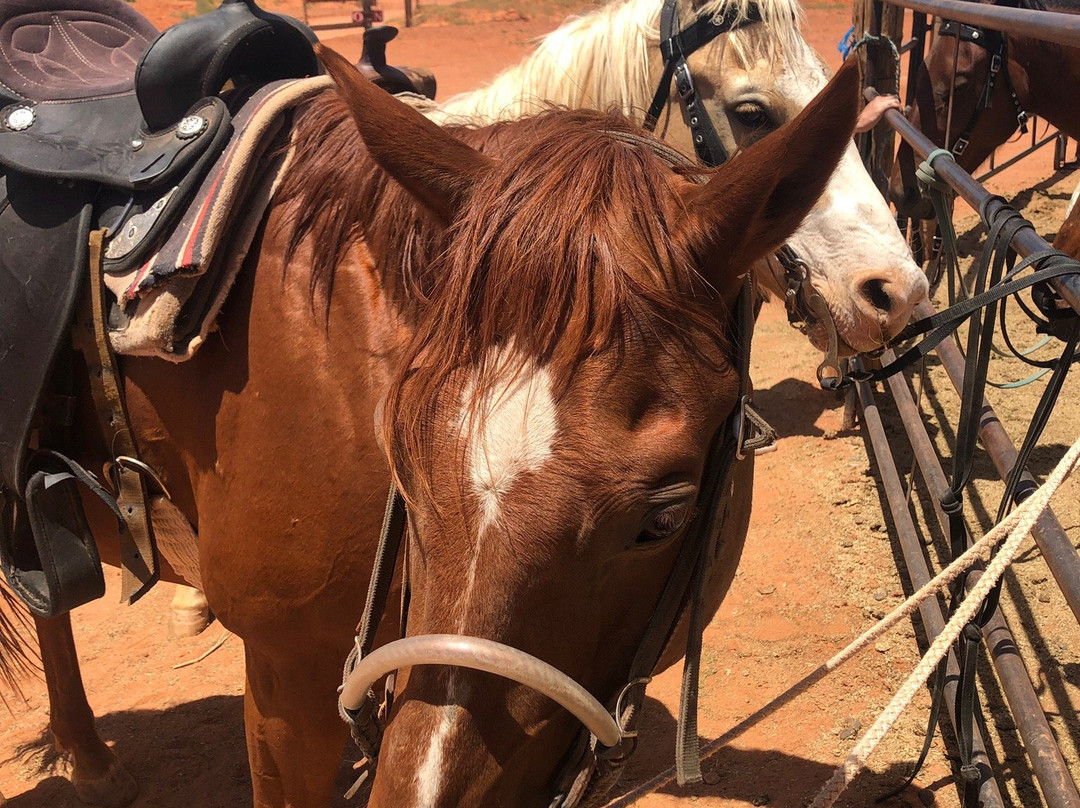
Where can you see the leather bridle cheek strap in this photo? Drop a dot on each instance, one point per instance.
(996, 43)
(675, 47)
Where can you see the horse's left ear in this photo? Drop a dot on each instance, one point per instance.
(430, 164)
(758, 199)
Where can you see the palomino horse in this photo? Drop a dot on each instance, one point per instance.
(999, 80)
(749, 77)
(586, 287)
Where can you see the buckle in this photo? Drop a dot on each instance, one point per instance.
(684, 83)
(995, 64)
(960, 145)
(754, 435)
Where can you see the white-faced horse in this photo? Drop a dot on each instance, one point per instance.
(748, 70)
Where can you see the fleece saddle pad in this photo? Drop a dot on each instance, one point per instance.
(167, 305)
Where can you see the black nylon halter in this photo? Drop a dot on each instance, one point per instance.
(996, 44)
(675, 47)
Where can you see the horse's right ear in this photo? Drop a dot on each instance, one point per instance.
(430, 164)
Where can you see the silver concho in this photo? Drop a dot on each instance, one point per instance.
(20, 118)
(190, 126)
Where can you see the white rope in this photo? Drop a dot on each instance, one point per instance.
(1016, 527)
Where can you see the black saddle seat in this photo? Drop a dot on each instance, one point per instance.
(196, 58)
(394, 80)
(80, 50)
(56, 50)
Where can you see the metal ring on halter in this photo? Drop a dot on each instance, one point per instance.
(641, 680)
(134, 464)
(829, 374)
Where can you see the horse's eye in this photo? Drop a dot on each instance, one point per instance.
(666, 522)
(753, 115)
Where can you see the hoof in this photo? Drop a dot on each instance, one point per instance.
(190, 613)
(115, 789)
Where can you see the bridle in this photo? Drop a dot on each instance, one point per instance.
(592, 767)
(996, 44)
(805, 306)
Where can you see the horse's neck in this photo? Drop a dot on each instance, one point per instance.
(598, 61)
(1053, 73)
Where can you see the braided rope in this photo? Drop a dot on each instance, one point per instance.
(1016, 526)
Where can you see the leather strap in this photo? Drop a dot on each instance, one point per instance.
(996, 44)
(138, 553)
(675, 46)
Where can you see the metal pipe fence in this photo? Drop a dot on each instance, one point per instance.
(1056, 782)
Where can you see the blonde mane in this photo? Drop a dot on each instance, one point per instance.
(602, 60)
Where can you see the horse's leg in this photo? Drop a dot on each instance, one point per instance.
(295, 738)
(190, 612)
(97, 774)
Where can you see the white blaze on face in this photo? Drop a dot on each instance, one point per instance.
(850, 235)
(510, 433)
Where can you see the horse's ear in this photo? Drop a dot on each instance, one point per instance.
(431, 165)
(758, 199)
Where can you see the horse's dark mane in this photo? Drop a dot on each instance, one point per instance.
(339, 195)
(564, 250)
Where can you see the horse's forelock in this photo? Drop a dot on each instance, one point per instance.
(565, 252)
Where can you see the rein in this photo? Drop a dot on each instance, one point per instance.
(805, 305)
(997, 278)
(996, 44)
(594, 767)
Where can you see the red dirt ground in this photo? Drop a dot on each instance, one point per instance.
(818, 567)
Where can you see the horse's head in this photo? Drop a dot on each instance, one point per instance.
(751, 81)
(551, 420)
(979, 124)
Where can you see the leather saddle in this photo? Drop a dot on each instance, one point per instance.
(394, 80)
(104, 123)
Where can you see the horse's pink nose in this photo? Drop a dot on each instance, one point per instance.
(886, 299)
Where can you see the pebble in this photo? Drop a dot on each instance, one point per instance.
(710, 777)
(874, 612)
(1044, 597)
(850, 729)
(847, 542)
(762, 799)
(768, 589)
(879, 593)
(882, 647)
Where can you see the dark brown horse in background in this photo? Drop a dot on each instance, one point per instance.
(1036, 78)
(574, 291)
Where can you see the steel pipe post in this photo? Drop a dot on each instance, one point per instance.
(1049, 26)
(1026, 241)
(1047, 762)
(929, 610)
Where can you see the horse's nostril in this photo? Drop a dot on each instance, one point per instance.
(874, 291)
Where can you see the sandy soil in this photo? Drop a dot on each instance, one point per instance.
(818, 568)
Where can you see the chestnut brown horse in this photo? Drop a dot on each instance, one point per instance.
(545, 308)
(1035, 78)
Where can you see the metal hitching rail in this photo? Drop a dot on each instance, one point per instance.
(1047, 763)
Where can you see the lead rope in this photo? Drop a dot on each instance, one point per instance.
(1013, 529)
